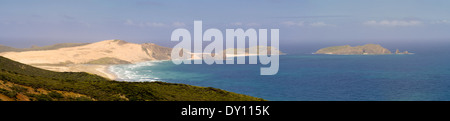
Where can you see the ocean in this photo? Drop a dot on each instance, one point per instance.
(303, 76)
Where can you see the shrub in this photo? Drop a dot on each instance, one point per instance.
(41, 97)
(11, 94)
(55, 94)
(19, 89)
(83, 98)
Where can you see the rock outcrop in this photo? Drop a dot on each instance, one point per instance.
(157, 52)
(404, 52)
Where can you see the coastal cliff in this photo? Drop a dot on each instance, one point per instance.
(368, 49)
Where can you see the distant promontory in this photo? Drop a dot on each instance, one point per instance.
(368, 49)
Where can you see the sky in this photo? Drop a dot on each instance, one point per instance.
(30, 22)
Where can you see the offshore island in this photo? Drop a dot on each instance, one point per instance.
(368, 49)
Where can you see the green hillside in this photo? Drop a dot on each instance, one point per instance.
(101, 89)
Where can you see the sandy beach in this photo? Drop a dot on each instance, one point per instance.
(101, 70)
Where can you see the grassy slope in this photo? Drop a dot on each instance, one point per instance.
(15, 92)
(103, 89)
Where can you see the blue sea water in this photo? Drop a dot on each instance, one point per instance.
(303, 76)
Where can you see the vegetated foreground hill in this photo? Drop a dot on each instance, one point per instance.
(23, 82)
(16, 92)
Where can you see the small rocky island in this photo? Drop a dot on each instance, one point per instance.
(368, 49)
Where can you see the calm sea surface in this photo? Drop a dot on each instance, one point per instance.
(304, 76)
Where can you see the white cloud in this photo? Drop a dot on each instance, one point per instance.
(178, 24)
(441, 22)
(291, 23)
(393, 23)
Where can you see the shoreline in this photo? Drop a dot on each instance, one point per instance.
(100, 70)
(105, 70)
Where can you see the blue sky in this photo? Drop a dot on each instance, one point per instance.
(29, 22)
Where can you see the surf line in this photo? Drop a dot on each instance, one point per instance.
(182, 52)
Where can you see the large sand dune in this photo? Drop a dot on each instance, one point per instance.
(92, 58)
(108, 49)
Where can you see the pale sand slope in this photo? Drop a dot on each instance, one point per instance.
(74, 59)
(83, 54)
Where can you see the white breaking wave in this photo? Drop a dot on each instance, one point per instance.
(135, 72)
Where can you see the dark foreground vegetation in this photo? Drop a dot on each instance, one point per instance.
(97, 88)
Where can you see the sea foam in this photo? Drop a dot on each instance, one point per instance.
(138, 72)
